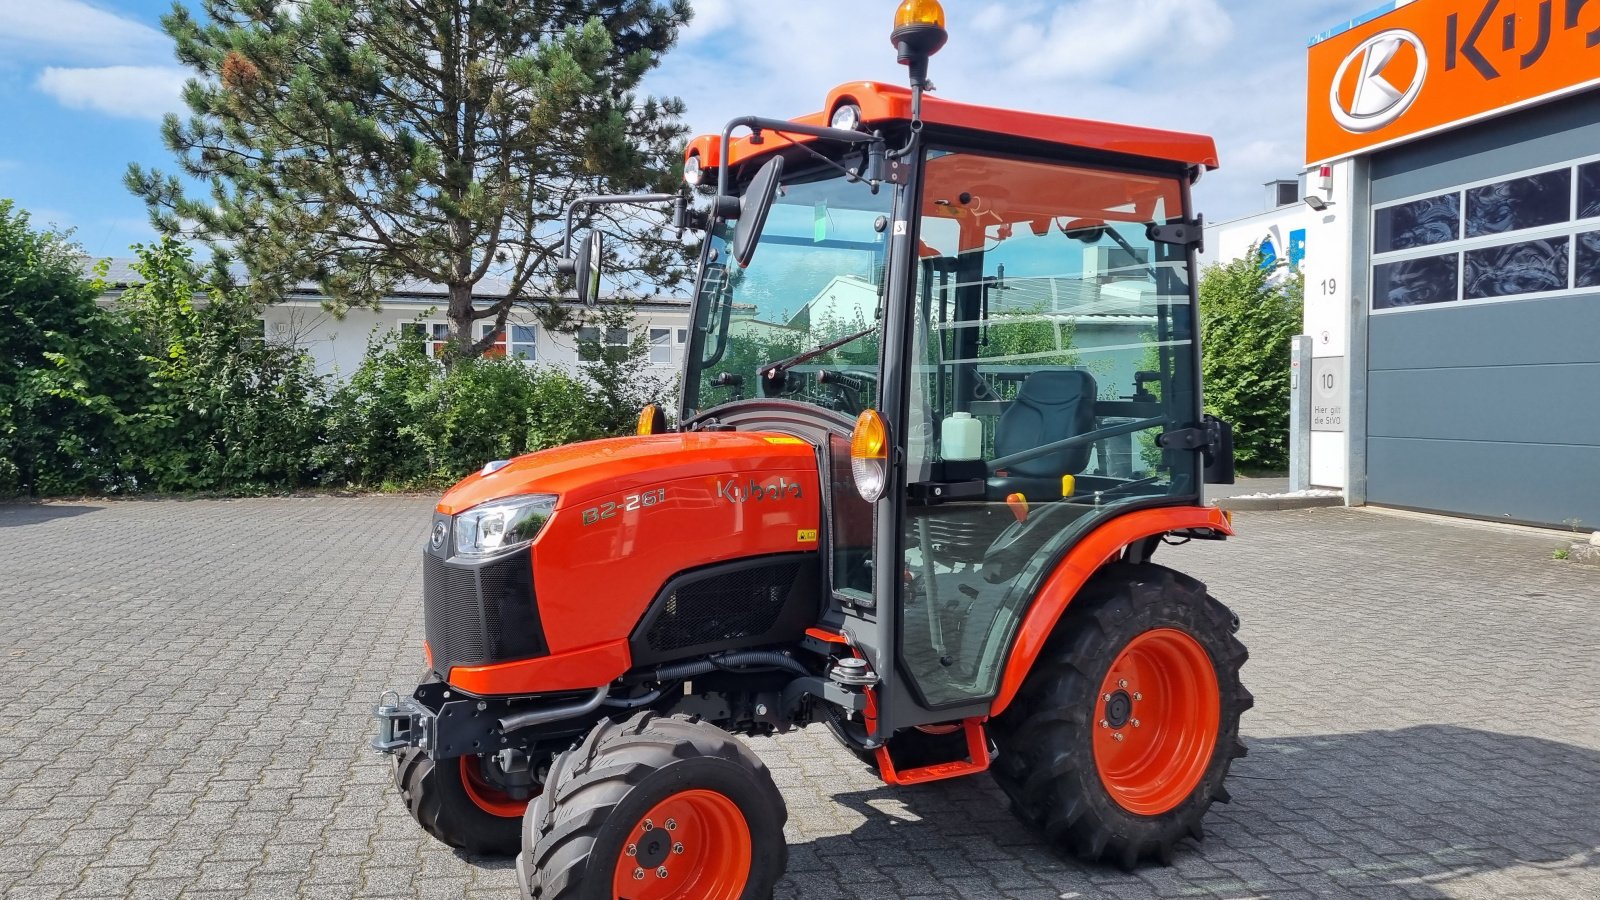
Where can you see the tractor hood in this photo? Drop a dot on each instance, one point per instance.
(581, 473)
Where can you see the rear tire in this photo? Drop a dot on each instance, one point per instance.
(655, 794)
(1127, 778)
(457, 808)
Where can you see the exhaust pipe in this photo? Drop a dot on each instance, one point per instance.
(517, 721)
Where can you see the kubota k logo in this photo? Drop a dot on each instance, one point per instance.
(1379, 81)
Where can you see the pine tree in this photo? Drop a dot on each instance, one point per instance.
(359, 145)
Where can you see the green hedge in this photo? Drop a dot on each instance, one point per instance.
(176, 390)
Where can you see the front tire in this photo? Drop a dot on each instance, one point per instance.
(656, 808)
(1122, 735)
(455, 802)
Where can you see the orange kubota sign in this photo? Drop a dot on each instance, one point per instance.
(1436, 63)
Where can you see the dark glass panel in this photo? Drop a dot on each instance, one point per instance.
(1589, 259)
(1530, 202)
(1531, 267)
(1589, 190)
(1415, 282)
(1419, 223)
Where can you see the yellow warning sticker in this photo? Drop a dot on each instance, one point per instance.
(784, 440)
(807, 536)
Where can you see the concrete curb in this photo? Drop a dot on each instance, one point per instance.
(1264, 504)
(1585, 554)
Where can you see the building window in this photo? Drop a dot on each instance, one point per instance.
(661, 346)
(590, 346)
(1529, 202)
(433, 335)
(1588, 266)
(1589, 191)
(1415, 282)
(683, 336)
(522, 345)
(1420, 223)
(1528, 267)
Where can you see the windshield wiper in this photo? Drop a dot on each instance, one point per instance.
(774, 371)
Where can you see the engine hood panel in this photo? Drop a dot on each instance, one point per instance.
(580, 473)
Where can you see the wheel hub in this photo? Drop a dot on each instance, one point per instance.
(654, 848)
(1119, 709)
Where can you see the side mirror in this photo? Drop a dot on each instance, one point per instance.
(753, 209)
(591, 258)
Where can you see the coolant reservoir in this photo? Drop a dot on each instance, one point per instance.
(961, 438)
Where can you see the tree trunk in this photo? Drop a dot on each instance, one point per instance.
(460, 318)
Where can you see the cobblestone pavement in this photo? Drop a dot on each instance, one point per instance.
(190, 685)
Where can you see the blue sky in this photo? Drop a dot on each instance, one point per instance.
(83, 83)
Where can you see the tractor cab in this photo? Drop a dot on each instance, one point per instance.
(993, 348)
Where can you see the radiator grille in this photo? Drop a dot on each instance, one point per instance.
(724, 607)
(476, 615)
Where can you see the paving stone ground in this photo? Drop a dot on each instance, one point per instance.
(189, 682)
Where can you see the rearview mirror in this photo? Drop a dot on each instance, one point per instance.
(591, 258)
(753, 209)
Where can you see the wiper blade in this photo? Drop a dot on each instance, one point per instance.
(774, 370)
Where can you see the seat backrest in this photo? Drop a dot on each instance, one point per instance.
(1052, 405)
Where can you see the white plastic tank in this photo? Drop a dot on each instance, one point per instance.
(961, 437)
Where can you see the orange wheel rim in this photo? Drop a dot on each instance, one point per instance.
(694, 845)
(1156, 721)
(486, 796)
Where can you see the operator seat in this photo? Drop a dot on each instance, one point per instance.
(1052, 405)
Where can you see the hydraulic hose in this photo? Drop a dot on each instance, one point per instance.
(532, 717)
(768, 659)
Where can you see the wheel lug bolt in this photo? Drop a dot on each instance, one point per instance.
(672, 825)
(633, 850)
(638, 874)
(649, 825)
(1106, 697)
(1138, 696)
(1117, 736)
(1136, 723)
(1122, 682)
(1104, 724)
(661, 872)
(677, 848)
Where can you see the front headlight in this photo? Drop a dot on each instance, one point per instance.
(501, 525)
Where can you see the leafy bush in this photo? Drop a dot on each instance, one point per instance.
(64, 382)
(221, 409)
(1247, 316)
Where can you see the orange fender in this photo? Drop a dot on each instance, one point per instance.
(1101, 546)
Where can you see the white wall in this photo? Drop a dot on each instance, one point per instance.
(338, 344)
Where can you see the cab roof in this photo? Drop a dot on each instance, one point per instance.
(881, 102)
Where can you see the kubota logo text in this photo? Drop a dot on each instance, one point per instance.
(735, 491)
(1379, 81)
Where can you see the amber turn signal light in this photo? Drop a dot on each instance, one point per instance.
(869, 455)
(652, 420)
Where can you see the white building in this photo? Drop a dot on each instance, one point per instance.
(337, 343)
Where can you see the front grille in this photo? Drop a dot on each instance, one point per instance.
(724, 607)
(476, 614)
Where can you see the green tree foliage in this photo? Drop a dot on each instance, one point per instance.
(1248, 313)
(63, 381)
(360, 145)
(404, 421)
(221, 408)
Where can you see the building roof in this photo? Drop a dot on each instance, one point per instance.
(121, 274)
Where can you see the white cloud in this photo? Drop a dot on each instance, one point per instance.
(1099, 38)
(76, 31)
(136, 92)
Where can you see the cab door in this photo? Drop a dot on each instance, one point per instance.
(1052, 341)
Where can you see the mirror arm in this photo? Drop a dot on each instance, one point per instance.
(758, 124)
(606, 200)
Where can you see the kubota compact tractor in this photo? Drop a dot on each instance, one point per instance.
(941, 406)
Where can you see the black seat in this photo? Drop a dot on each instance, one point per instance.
(1053, 405)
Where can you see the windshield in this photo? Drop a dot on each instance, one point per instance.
(816, 279)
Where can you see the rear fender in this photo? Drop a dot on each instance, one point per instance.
(1101, 546)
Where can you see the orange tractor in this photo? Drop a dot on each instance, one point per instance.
(941, 406)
